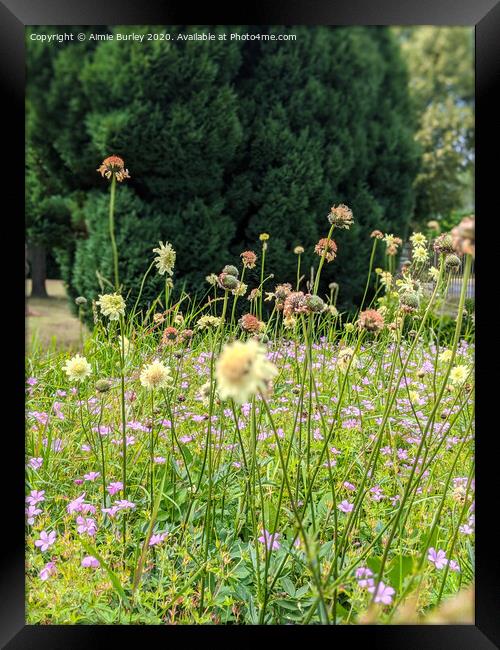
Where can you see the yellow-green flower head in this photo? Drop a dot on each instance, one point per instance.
(240, 289)
(418, 239)
(434, 274)
(346, 359)
(112, 305)
(165, 260)
(212, 279)
(298, 250)
(420, 254)
(207, 322)
(155, 375)
(77, 368)
(458, 375)
(263, 236)
(445, 355)
(242, 370)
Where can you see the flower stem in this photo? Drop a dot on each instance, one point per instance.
(112, 231)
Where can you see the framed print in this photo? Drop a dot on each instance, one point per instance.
(250, 322)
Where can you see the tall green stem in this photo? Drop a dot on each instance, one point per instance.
(322, 261)
(112, 231)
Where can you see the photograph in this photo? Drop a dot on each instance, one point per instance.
(250, 325)
(248, 330)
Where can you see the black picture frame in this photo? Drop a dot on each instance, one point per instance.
(485, 16)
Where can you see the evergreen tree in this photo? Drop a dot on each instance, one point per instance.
(228, 139)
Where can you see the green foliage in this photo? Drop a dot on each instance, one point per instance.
(440, 62)
(225, 140)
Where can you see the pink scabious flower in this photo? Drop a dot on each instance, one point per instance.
(270, 540)
(86, 525)
(90, 562)
(345, 506)
(48, 570)
(383, 593)
(157, 539)
(35, 496)
(438, 558)
(45, 540)
(115, 487)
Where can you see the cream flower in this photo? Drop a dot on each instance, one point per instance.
(165, 261)
(206, 322)
(445, 355)
(420, 254)
(458, 375)
(418, 239)
(112, 305)
(77, 368)
(346, 357)
(155, 375)
(289, 322)
(434, 274)
(242, 370)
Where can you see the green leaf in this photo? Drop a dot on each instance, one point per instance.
(112, 576)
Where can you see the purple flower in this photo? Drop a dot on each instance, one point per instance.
(91, 476)
(35, 463)
(377, 494)
(86, 525)
(349, 486)
(35, 497)
(465, 529)
(159, 460)
(269, 540)
(363, 574)
(157, 539)
(123, 504)
(345, 506)
(31, 513)
(48, 570)
(90, 562)
(76, 504)
(454, 566)
(115, 487)
(32, 381)
(111, 512)
(438, 558)
(383, 593)
(46, 540)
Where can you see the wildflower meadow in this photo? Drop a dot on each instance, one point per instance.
(254, 455)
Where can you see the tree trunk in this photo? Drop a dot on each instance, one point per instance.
(38, 272)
